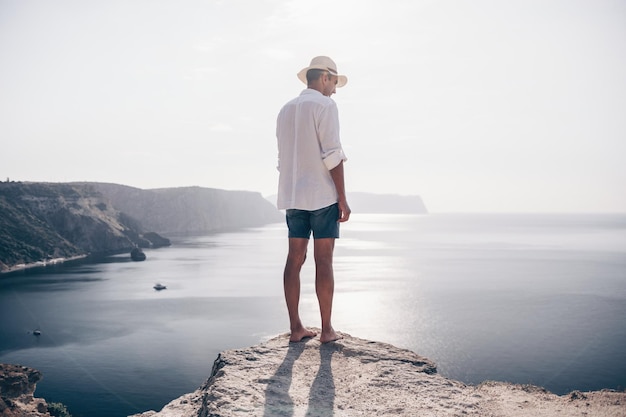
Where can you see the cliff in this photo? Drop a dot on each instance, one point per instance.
(17, 385)
(190, 209)
(41, 223)
(348, 378)
(356, 377)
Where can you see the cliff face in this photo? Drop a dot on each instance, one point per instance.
(190, 209)
(17, 385)
(356, 377)
(41, 221)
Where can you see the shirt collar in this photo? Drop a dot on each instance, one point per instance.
(310, 91)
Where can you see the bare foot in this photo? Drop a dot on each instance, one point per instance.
(301, 334)
(329, 336)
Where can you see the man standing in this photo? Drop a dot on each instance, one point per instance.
(311, 188)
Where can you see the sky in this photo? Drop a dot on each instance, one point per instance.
(476, 106)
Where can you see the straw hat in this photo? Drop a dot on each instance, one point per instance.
(323, 63)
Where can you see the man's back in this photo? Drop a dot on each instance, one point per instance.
(308, 148)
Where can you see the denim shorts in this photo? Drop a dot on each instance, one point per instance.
(324, 223)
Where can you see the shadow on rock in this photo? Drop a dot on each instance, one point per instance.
(322, 394)
(277, 399)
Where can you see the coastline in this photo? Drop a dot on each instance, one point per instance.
(202, 268)
(41, 264)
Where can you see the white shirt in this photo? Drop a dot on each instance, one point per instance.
(307, 130)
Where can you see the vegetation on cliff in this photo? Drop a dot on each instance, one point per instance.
(41, 222)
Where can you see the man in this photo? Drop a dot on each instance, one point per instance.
(311, 188)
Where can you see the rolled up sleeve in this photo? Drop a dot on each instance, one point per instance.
(331, 150)
(333, 158)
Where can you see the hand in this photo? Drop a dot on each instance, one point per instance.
(344, 211)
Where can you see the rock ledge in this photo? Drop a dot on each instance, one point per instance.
(356, 377)
(17, 385)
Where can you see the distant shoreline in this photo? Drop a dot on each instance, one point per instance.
(41, 264)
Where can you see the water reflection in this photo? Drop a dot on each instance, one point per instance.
(509, 298)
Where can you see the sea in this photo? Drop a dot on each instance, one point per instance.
(525, 298)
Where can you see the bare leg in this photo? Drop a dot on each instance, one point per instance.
(291, 283)
(325, 286)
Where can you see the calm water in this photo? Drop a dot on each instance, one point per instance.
(535, 299)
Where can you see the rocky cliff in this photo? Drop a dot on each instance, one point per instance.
(190, 209)
(355, 377)
(348, 378)
(17, 385)
(44, 222)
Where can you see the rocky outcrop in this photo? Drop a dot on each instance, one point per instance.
(44, 222)
(356, 377)
(155, 240)
(348, 378)
(137, 255)
(190, 209)
(41, 222)
(17, 385)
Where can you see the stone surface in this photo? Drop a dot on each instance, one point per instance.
(356, 377)
(17, 385)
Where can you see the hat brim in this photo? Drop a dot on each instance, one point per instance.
(342, 79)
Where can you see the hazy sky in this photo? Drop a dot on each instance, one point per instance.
(474, 105)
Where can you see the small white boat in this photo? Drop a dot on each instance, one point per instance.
(159, 287)
(37, 332)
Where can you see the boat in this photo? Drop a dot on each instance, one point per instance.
(37, 332)
(159, 287)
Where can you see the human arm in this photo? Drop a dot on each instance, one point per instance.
(337, 175)
(333, 155)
